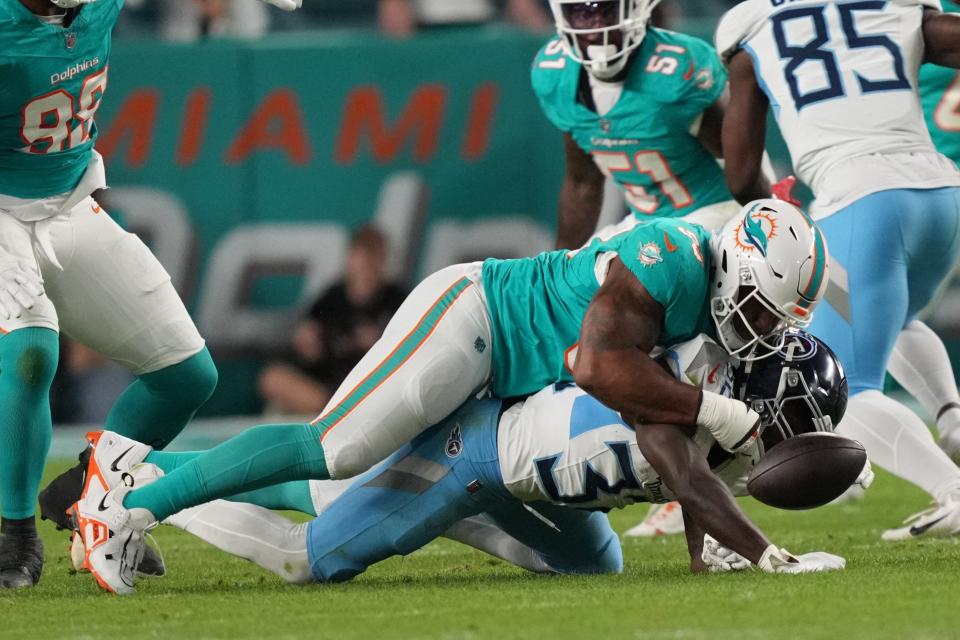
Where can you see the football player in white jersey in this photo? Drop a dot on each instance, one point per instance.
(841, 80)
(525, 481)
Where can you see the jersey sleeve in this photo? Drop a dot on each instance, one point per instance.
(704, 78)
(546, 75)
(669, 258)
(737, 26)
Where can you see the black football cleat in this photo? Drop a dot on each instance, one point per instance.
(151, 565)
(62, 492)
(21, 560)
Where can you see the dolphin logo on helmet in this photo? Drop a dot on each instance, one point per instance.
(770, 270)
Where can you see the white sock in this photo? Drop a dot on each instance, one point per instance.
(245, 530)
(897, 440)
(481, 533)
(920, 363)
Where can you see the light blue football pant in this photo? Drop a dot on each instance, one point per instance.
(447, 474)
(890, 252)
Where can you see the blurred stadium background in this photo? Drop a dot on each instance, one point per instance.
(246, 145)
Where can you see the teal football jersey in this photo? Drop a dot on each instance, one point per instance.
(940, 95)
(537, 304)
(645, 142)
(53, 80)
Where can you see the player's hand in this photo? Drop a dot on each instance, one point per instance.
(865, 479)
(783, 190)
(719, 558)
(20, 287)
(285, 5)
(776, 560)
(733, 424)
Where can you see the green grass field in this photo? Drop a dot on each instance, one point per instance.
(889, 590)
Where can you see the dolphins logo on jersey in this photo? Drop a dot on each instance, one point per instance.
(756, 230)
(650, 254)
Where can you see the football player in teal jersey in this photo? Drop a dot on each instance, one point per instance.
(638, 104)
(65, 264)
(592, 316)
(940, 96)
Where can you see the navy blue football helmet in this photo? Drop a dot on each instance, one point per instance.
(799, 389)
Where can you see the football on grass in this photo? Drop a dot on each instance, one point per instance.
(806, 471)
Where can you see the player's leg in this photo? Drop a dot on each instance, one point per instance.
(920, 363)
(425, 365)
(449, 473)
(921, 359)
(565, 539)
(869, 273)
(29, 348)
(116, 298)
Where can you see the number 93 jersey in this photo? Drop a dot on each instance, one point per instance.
(842, 82)
(647, 141)
(564, 446)
(53, 79)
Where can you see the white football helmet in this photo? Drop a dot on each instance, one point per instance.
(606, 60)
(769, 261)
(70, 4)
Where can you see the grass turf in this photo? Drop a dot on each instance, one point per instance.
(890, 590)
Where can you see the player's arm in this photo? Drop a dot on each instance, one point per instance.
(705, 499)
(694, 533)
(941, 36)
(581, 196)
(620, 328)
(711, 126)
(744, 129)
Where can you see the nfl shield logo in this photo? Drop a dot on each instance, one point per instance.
(605, 125)
(70, 40)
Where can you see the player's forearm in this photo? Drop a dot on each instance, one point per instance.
(941, 34)
(631, 382)
(580, 202)
(710, 503)
(694, 533)
(705, 499)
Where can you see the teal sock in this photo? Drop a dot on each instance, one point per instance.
(259, 457)
(158, 405)
(288, 496)
(28, 360)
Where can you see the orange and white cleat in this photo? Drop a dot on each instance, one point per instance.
(661, 520)
(112, 457)
(112, 536)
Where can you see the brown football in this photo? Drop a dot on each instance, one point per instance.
(806, 471)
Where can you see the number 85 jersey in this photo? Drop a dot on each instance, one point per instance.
(841, 78)
(52, 79)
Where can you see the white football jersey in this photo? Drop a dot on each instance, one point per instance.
(563, 446)
(842, 82)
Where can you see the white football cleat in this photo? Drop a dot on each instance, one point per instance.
(938, 521)
(111, 535)
(661, 520)
(113, 456)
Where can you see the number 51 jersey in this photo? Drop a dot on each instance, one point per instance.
(841, 78)
(52, 79)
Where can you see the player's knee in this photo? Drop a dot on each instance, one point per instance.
(605, 557)
(30, 355)
(190, 382)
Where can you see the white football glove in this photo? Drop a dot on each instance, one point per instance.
(285, 5)
(733, 424)
(776, 560)
(719, 558)
(20, 286)
(865, 479)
